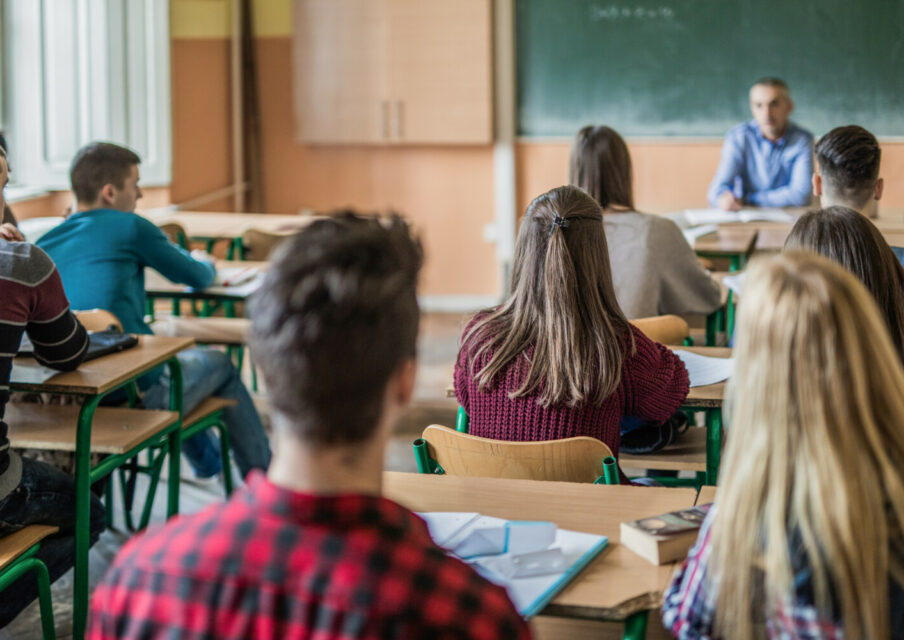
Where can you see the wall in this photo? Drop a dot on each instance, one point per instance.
(446, 191)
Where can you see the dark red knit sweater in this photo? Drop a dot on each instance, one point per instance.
(654, 384)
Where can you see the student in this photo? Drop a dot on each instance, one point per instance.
(32, 492)
(654, 270)
(805, 538)
(558, 358)
(844, 236)
(102, 250)
(768, 161)
(312, 550)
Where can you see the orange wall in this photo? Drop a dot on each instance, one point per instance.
(56, 203)
(667, 175)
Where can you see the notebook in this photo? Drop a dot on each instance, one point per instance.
(100, 343)
(705, 370)
(696, 217)
(532, 561)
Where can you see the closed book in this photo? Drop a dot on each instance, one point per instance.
(664, 538)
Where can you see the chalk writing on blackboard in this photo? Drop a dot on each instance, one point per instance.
(614, 13)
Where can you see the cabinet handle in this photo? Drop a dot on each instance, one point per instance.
(398, 120)
(384, 118)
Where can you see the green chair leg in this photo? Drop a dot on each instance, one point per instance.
(425, 464)
(636, 626)
(713, 444)
(19, 568)
(610, 472)
(462, 421)
(224, 455)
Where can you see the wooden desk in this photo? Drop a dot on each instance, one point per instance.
(156, 286)
(203, 225)
(616, 584)
(93, 380)
(735, 242)
(707, 494)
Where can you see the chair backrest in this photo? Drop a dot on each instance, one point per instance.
(176, 233)
(259, 244)
(577, 459)
(98, 319)
(665, 329)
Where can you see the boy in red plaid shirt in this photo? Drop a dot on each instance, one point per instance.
(311, 550)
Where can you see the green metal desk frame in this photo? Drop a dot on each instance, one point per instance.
(24, 564)
(85, 476)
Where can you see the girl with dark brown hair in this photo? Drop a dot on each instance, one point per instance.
(654, 269)
(849, 238)
(559, 358)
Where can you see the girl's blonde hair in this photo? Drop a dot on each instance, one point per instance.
(562, 305)
(815, 451)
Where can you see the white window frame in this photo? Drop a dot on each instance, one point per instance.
(76, 71)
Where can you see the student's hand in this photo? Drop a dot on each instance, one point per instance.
(202, 256)
(10, 233)
(728, 202)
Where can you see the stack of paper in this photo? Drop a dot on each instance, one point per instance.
(532, 561)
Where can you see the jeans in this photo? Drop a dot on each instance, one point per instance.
(209, 372)
(45, 495)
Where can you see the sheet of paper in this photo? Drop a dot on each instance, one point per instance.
(442, 525)
(735, 282)
(30, 373)
(704, 370)
(692, 234)
(232, 276)
(696, 217)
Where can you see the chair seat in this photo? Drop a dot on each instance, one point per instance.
(52, 427)
(228, 331)
(207, 407)
(688, 454)
(15, 544)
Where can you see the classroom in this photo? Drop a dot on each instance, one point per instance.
(451, 318)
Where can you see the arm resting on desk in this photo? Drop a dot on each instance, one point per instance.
(173, 262)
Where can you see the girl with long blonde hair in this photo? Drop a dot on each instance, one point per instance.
(559, 358)
(804, 540)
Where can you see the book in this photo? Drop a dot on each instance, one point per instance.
(664, 538)
(232, 276)
(532, 561)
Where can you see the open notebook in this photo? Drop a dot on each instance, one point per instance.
(696, 217)
(234, 276)
(532, 561)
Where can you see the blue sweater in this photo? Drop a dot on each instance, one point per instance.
(101, 256)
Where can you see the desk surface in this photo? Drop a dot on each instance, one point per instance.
(707, 494)
(103, 374)
(219, 225)
(155, 284)
(727, 241)
(616, 584)
(711, 395)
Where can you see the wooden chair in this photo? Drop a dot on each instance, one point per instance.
(580, 459)
(665, 329)
(17, 557)
(258, 244)
(176, 233)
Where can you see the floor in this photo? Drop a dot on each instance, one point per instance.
(437, 349)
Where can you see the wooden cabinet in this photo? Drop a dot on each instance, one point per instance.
(393, 71)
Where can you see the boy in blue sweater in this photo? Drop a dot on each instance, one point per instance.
(101, 252)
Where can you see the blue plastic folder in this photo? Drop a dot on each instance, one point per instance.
(494, 547)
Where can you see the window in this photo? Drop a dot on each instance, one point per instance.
(74, 71)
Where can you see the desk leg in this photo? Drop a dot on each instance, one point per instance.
(175, 438)
(730, 317)
(713, 444)
(82, 515)
(636, 626)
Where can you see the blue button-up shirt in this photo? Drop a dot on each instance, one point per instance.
(762, 172)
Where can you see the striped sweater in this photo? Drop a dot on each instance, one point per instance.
(33, 301)
(654, 383)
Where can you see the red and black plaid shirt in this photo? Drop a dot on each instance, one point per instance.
(272, 563)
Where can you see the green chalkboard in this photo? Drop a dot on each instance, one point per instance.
(684, 67)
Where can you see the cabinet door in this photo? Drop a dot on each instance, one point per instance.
(440, 78)
(340, 58)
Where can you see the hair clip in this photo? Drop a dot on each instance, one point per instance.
(558, 222)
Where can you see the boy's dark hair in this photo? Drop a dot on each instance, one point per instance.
(336, 316)
(848, 160)
(98, 164)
